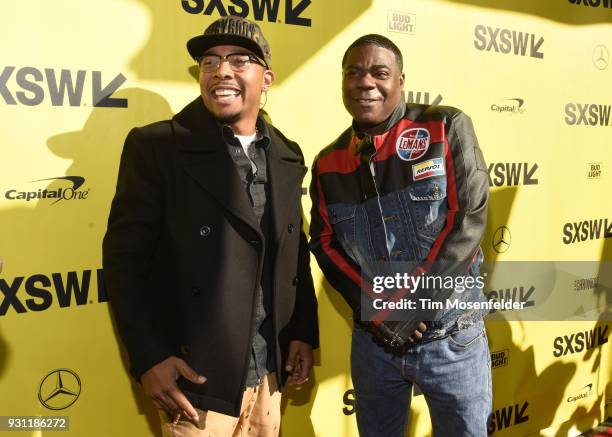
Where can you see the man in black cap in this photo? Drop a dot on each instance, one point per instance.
(205, 260)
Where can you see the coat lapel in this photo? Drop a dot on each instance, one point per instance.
(286, 171)
(207, 160)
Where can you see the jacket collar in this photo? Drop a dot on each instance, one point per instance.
(206, 158)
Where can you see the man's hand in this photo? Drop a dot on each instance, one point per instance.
(159, 383)
(299, 362)
(392, 331)
(417, 335)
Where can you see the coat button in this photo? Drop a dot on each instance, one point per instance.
(290, 228)
(295, 281)
(196, 291)
(205, 231)
(255, 243)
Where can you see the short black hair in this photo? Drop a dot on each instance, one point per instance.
(377, 40)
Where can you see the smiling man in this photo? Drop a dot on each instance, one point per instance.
(405, 186)
(205, 261)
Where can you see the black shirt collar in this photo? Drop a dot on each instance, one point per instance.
(261, 140)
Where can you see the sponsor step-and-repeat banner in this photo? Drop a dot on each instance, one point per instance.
(534, 77)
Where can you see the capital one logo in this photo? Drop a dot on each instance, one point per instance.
(515, 106)
(263, 10)
(585, 392)
(56, 194)
(30, 86)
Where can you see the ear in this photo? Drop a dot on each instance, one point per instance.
(401, 81)
(268, 79)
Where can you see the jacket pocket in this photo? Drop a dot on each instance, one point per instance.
(464, 338)
(428, 200)
(342, 219)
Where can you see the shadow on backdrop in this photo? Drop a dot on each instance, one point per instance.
(95, 152)
(172, 26)
(561, 11)
(4, 355)
(533, 397)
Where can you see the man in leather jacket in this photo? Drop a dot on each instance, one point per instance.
(406, 183)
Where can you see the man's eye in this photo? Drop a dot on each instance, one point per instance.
(239, 60)
(208, 62)
(382, 74)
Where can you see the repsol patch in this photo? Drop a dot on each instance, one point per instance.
(428, 169)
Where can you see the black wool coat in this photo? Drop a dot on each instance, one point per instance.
(183, 255)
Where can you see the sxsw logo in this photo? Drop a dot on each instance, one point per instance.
(349, 402)
(580, 341)
(423, 97)
(29, 86)
(514, 294)
(587, 114)
(506, 417)
(263, 10)
(594, 170)
(585, 392)
(593, 3)
(38, 292)
(512, 174)
(507, 41)
(71, 191)
(584, 230)
(499, 358)
(513, 106)
(585, 284)
(401, 22)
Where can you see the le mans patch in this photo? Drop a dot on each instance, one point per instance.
(427, 169)
(412, 143)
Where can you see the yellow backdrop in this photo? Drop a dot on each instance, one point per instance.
(76, 75)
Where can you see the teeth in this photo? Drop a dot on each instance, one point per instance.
(226, 92)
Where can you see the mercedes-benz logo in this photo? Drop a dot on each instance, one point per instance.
(502, 239)
(59, 389)
(601, 57)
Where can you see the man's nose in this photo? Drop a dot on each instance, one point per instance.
(366, 81)
(225, 70)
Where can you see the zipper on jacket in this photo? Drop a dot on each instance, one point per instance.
(382, 217)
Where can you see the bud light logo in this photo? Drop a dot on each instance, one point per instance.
(412, 143)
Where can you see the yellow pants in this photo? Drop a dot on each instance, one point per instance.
(259, 416)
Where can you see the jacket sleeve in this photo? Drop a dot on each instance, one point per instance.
(467, 196)
(304, 321)
(134, 227)
(339, 269)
